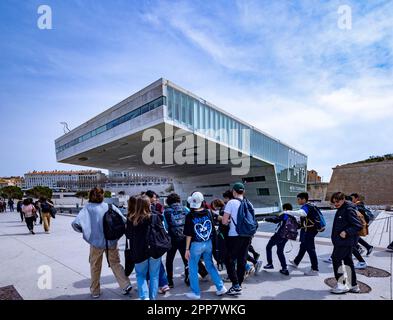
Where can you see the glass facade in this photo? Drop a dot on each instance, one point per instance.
(198, 116)
(114, 123)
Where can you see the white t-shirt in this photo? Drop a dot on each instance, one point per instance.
(232, 207)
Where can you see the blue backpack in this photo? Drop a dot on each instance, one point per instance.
(246, 225)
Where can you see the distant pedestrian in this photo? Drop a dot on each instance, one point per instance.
(29, 214)
(90, 222)
(199, 230)
(46, 207)
(19, 209)
(346, 226)
(11, 204)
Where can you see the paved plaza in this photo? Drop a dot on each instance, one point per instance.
(64, 251)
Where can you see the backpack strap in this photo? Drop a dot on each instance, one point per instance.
(106, 242)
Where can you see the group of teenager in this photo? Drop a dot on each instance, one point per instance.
(199, 231)
(30, 211)
(203, 233)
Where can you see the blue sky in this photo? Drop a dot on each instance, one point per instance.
(283, 66)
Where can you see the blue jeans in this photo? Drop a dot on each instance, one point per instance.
(163, 278)
(151, 266)
(205, 250)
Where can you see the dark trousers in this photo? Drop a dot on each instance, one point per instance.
(307, 244)
(356, 253)
(339, 255)
(30, 223)
(221, 249)
(364, 243)
(21, 215)
(170, 256)
(237, 254)
(276, 240)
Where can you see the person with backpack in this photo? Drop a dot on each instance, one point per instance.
(240, 216)
(200, 232)
(156, 208)
(92, 222)
(46, 207)
(217, 206)
(312, 222)
(19, 209)
(175, 219)
(286, 230)
(11, 204)
(149, 242)
(345, 234)
(368, 216)
(29, 213)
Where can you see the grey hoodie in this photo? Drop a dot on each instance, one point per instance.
(90, 222)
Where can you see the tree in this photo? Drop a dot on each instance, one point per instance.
(82, 195)
(11, 192)
(107, 194)
(39, 191)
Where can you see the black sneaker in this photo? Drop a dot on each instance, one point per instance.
(390, 246)
(268, 266)
(234, 291)
(170, 283)
(369, 250)
(285, 272)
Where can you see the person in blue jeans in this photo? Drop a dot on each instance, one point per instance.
(139, 219)
(199, 231)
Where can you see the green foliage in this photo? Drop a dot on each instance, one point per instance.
(373, 159)
(11, 192)
(82, 194)
(38, 192)
(107, 194)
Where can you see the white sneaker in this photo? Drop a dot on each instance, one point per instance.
(361, 265)
(328, 260)
(222, 291)
(193, 296)
(340, 289)
(258, 267)
(311, 272)
(293, 264)
(355, 289)
(95, 296)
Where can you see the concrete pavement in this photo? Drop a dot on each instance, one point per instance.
(66, 254)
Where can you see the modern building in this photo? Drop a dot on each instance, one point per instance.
(164, 130)
(68, 180)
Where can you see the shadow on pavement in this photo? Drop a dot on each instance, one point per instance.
(296, 294)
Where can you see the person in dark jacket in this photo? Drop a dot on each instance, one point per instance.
(307, 234)
(175, 218)
(156, 208)
(11, 205)
(139, 219)
(278, 240)
(362, 209)
(346, 226)
(19, 209)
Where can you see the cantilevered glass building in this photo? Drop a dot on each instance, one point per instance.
(119, 138)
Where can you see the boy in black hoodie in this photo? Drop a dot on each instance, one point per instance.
(346, 227)
(279, 239)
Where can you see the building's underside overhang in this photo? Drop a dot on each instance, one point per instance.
(125, 154)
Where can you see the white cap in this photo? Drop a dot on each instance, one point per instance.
(195, 200)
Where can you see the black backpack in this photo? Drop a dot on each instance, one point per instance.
(114, 227)
(158, 240)
(288, 229)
